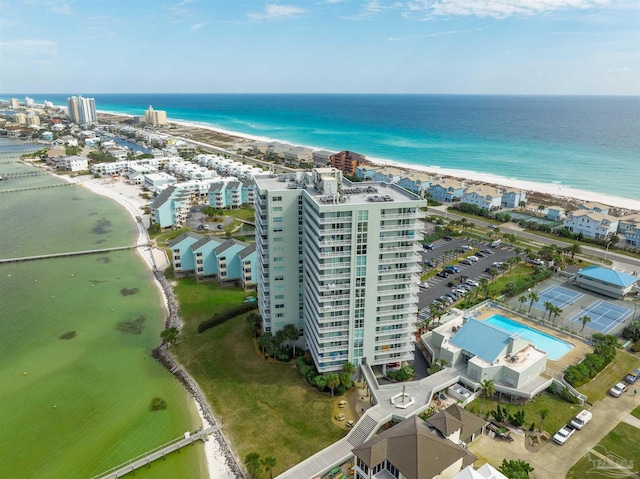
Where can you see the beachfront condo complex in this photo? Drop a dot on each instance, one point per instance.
(339, 260)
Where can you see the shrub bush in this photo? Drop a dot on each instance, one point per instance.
(220, 318)
(402, 374)
(603, 353)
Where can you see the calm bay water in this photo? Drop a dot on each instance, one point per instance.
(589, 143)
(83, 405)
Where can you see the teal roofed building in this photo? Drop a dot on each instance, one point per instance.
(606, 281)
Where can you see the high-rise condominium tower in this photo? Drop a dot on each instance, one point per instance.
(339, 261)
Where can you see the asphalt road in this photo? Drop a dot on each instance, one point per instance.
(442, 252)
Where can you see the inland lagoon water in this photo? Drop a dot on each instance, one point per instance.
(76, 378)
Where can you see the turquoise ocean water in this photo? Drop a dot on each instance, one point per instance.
(76, 376)
(588, 143)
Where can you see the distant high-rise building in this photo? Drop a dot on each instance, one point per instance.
(346, 161)
(340, 262)
(15, 103)
(155, 117)
(28, 102)
(20, 118)
(82, 110)
(33, 120)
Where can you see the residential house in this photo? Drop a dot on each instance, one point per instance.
(555, 213)
(597, 207)
(321, 158)
(298, 154)
(206, 263)
(410, 450)
(73, 163)
(512, 197)
(249, 260)
(171, 207)
(629, 227)
(155, 182)
(446, 190)
(457, 424)
(47, 136)
(417, 183)
(590, 223)
(483, 196)
(231, 193)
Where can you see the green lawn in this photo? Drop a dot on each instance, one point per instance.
(560, 411)
(624, 441)
(266, 407)
(246, 214)
(597, 388)
(636, 412)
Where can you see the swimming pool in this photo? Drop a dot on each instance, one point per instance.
(554, 347)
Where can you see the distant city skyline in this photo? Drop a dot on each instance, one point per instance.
(559, 47)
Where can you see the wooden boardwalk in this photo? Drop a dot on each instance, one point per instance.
(70, 253)
(159, 452)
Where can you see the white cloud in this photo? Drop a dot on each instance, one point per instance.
(61, 8)
(197, 26)
(334, 1)
(432, 35)
(621, 69)
(276, 12)
(494, 8)
(29, 47)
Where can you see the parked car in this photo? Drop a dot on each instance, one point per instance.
(444, 274)
(430, 264)
(466, 247)
(632, 377)
(493, 227)
(455, 269)
(581, 419)
(537, 262)
(472, 283)
(487, 251)
(200, 227)
(465, 287)
(429, 246)
(423, 285)
(466, 261)
(480, 254)
(496, 243)
(617, 390)
(474, 259)
(499, 265)
(447, 238)
(563, 434)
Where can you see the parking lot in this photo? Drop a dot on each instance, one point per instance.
(444, 252)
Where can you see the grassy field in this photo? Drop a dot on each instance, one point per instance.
(246, 214)
(265, 406)
(560, 411)
(623, 364)
(624, 441)
(636, 412)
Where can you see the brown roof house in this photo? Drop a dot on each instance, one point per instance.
(457, 424)
(410, 450)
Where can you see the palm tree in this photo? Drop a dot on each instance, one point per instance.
(333, 381)
(556, 312)
(255, 321)
(252, 461)
(522, 299)
(266, 342)
(269, 462)
(585, 319)
(544, 412)
(291, 333)
(488, 389)
(348, 368)
(548, 307)
(533, 297)
(574, 249)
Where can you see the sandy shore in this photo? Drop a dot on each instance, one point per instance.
(129, 197)
(546, 193)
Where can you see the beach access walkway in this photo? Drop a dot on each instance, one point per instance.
(159, 452)
(70, 253)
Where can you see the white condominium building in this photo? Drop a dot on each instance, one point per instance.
(339, 261)
(82, 110)
(155, 117)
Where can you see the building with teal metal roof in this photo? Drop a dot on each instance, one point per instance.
(606, 281)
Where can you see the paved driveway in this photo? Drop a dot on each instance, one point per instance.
(552, 461)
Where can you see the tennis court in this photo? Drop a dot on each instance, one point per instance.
(604, 316)
(558, 296)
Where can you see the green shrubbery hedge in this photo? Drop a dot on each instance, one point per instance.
(593, 363)
(220, 318)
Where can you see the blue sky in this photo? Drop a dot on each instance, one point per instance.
(317, 46)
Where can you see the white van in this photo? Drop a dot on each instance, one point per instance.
(581, 419)
(496, 243)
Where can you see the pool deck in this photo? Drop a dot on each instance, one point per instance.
(574, 356)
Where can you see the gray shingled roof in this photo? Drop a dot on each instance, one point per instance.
(204, 241)
(471, 424)
(247, 251)
(228, 244)
(166, 195)
(183, 236)
(414, 450)
(445, 423)
(215, 187)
